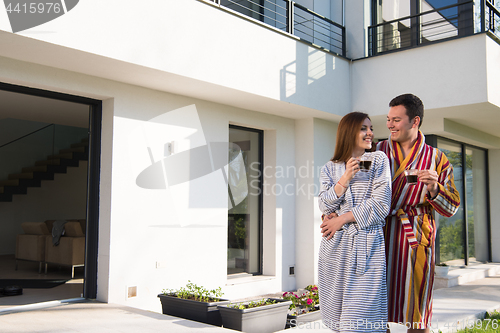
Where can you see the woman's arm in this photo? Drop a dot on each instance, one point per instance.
(328, 199)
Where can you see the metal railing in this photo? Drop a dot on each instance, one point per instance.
(318, 30)
(292, 18)
(439, 24)
(491, 18)
(434, 25)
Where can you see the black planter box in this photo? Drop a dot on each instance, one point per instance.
(203, 312)
(261, 319)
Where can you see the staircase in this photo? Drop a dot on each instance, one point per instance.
(18, 183)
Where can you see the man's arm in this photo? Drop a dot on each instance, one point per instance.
(446, 199)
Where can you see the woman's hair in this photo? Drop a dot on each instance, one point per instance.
(347, 134)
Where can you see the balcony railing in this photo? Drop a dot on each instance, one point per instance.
(440, 24)
(292, 18)
(491, 18)
(434, 25)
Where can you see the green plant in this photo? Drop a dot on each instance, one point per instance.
(304, 302)
(252, 304)
(442, 264)
(195, 292)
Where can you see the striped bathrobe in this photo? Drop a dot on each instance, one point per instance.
(351, 281)
(410, 231)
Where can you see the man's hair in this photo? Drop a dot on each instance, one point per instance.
(347, 133)
(413, 105)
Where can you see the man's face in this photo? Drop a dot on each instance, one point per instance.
(400, 126)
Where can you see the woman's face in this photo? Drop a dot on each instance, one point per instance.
(365, 136)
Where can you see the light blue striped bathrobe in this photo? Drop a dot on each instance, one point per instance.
(352, 268)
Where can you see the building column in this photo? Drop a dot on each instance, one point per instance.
(315, 143)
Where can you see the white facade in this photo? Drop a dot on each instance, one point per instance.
(182, 72)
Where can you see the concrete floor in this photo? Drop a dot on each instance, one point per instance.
(453, 308)
(29, 270)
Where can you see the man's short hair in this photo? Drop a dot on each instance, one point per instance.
(413, 105)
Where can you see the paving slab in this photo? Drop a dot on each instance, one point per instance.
(454, 308)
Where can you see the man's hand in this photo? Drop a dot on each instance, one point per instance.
(429, 178)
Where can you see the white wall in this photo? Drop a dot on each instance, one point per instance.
(315, 146)
(156, 239)
(190, 39)
(305, 193)
(357, 17)
(493, 70)
(442, 75)
(63, 198)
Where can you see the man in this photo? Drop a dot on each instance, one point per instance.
(410, 231)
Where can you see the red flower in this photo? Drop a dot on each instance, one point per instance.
(309, 301)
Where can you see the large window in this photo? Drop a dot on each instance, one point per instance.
(244, 252)
(464, 237)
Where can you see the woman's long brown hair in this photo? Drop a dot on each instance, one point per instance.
(347, 133)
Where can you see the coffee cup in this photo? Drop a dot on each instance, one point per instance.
(411, 176)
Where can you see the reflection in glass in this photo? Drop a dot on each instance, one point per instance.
(450, 236)
(475, 176)
(245, 190)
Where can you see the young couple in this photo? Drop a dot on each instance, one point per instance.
(376, 260)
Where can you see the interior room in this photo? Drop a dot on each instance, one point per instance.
(43, 198)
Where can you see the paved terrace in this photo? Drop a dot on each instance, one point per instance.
(453, 306)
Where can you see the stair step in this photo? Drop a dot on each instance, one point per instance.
(5, 197)
(41, 168)
(55, 161)
(14, 189)
(72, 150)
(11, 182)
(65, 155)
(81, 144)
(24, 175)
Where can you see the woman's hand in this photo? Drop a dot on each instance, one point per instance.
(351, 169)
(330, 225)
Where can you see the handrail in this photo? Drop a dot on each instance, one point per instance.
(420, 14)
(287, 22)
(425, 28)
(493, 17)
(493, 8)
(318, 15)
(22, 137)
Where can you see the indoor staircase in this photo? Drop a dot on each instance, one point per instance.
(18, 183)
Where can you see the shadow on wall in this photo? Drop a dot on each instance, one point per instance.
(316, 79)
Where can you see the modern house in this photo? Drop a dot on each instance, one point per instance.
(206, 124)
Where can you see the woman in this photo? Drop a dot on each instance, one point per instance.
(352, 288)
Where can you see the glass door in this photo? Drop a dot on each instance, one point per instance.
(450, 234)
(477, 208)
(244, 252)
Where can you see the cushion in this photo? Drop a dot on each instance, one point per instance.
(35, 228)
(73, 229)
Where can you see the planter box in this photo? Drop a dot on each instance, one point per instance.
(203, 312)
(298, 320)
(441, 270)
(261, 319)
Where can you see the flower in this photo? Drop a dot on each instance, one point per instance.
(303, 302)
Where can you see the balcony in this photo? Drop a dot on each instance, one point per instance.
(453, 21)
(291, 18)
